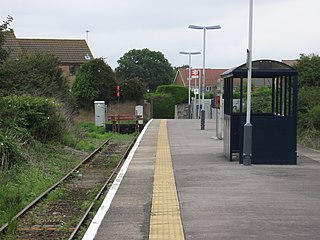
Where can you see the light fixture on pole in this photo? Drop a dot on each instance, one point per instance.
(87, 36)
(189, 79)
(247, 129)
(204, 28)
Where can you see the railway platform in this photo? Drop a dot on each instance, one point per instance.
(177, 184)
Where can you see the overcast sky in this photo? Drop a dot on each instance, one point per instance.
(282, 28)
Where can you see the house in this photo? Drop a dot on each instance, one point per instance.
(70, 52)
(290, 62)
(212, 76)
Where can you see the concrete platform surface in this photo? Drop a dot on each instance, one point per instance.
(218, 199)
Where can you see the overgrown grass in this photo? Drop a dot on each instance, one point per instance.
(23, 183)
(309, 138)
(44, 164)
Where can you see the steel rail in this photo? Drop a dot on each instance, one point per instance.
(103, 188)
(52, 187)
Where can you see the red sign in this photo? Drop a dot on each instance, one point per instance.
(195, 73)
(118, 91)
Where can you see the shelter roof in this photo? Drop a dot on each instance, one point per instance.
(264, 67)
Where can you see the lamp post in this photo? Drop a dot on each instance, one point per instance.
(247, 129)
(87, 36)
(189, 79)
(204, 28)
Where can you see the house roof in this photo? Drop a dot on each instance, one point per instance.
(290, 62)
(12, 44)
(212, 76)
(66, 50)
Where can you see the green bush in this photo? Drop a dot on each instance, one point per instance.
(165, 98)
(9, 152)
(314, 115)
(179, 93)
(28, 117)
(308, 105)
(262, 100)
(163, 106)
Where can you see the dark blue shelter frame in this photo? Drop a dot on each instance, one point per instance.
(274, 134)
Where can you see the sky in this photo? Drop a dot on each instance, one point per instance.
(282, 29)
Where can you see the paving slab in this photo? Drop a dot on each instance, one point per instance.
(129, 213)
(218, 199)
(224, 200)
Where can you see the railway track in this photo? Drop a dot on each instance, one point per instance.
(60, 211)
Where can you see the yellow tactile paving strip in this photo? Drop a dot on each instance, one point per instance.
(165, 221)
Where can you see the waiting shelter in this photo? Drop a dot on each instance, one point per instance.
(273, 112)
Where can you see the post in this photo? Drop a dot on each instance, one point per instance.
(189, 80)
(199, 100)
(247, 129)
(118, 96)
(204, 28)
(203, 113)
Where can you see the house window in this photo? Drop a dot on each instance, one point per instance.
(73, 69)
(208, 89)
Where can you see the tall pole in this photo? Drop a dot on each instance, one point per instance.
(204, 28)
(247, 130)
(189, 80)
(87, 36)
(199, 99)
(189, 95)
(203, 113)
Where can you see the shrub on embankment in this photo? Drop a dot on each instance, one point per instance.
(24, 119)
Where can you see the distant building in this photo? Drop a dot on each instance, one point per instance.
(70, 52)
(212, 76)
(291, 63)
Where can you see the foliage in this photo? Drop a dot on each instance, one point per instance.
(132, 89)
(94, 81)
(163, 104)
(208, 95)
(4, 27)
(261, 100)
(149, 66)
(308, 104)
(38, 75)
(10, 153)
(314, 115)
(44, 165)
(26, 117)
(179, 93)
(308, 67)
(165, 98)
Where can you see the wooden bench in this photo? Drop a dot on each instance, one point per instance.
(119, 118)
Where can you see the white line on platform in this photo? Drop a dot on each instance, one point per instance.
(94, 225)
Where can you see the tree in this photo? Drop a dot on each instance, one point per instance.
(308, 67)
(95, 81)
(132, 89)
(150, 66)
(38, 74)
(4, 27)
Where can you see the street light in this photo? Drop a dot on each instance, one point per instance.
(189, 78)
(204, 28)
(247, 129)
